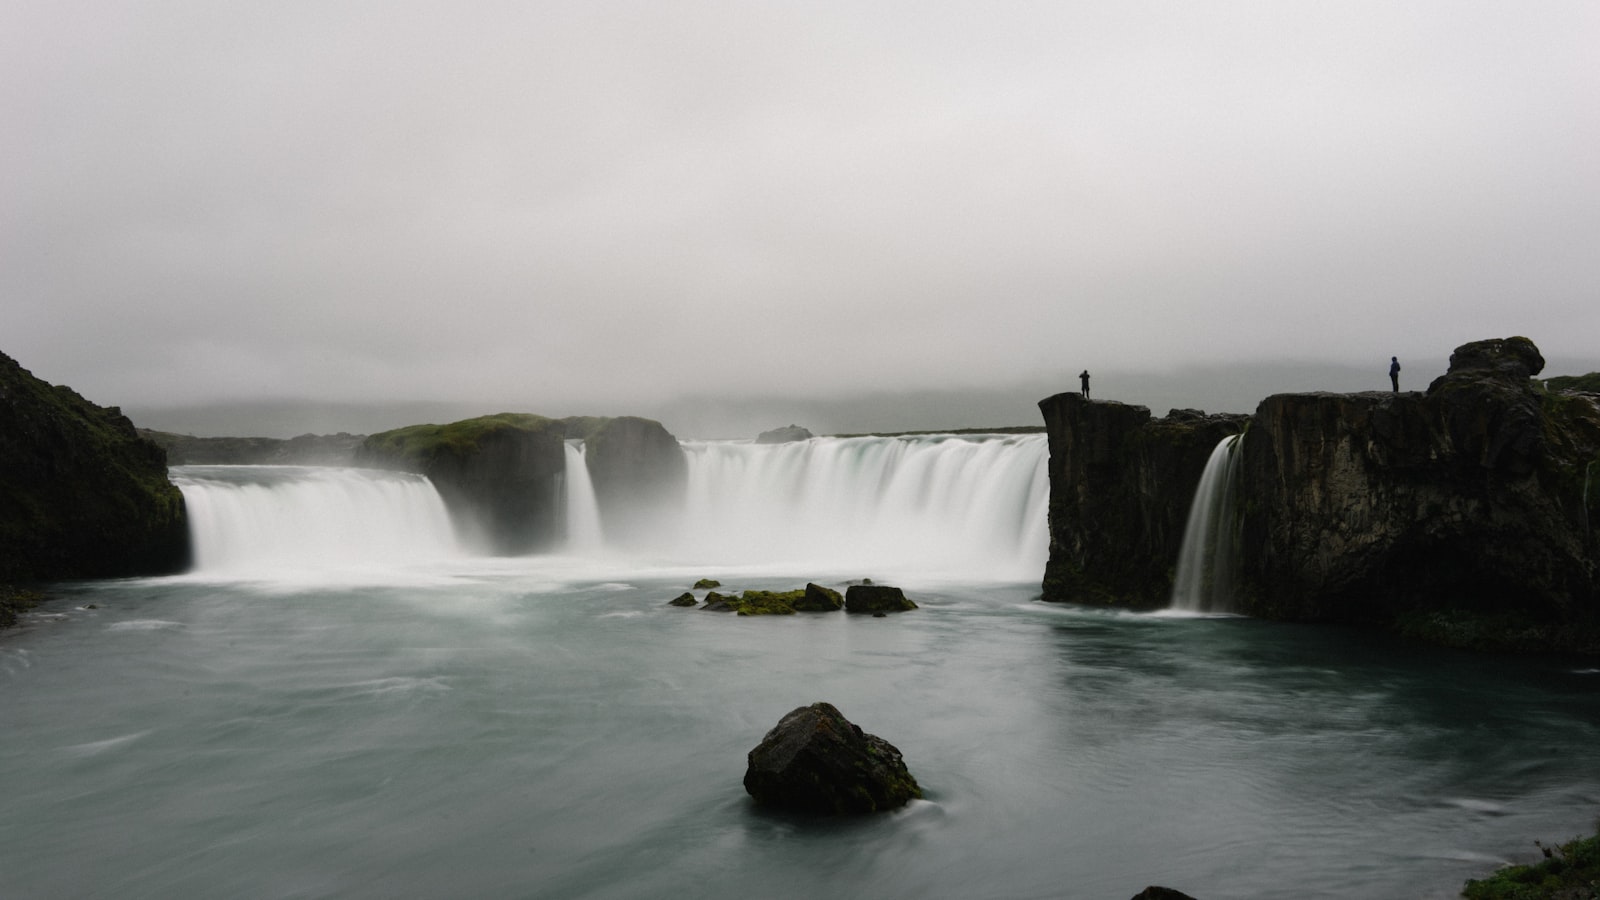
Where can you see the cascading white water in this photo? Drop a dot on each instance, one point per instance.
(944, 505)
(249, 519)
(967, 507)
(1206, 561)
(584, 536)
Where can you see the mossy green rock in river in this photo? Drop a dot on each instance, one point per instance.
(499, 475)
(817, 761)
(81, 494)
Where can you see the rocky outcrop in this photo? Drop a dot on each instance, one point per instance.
(81, 494)
(499, 475)
(785, 435)
(815, 760)
(1467, 498)
(639, 474)
(305, 450)
(875, 598)
(1465, 513)
(1120, 488)
(817, 598)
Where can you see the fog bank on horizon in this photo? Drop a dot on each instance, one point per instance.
(1235, 389)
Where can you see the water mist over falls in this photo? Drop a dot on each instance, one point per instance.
(931, 505)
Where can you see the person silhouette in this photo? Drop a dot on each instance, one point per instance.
(1084, 377)
(1394, 373)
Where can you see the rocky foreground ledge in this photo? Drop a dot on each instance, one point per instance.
(1466, 513)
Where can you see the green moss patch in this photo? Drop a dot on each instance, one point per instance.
(1568, 872)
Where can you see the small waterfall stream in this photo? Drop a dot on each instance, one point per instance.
(584, 536)
(1208, 557)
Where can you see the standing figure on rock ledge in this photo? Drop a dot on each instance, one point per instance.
(1084, 377)
(1394, 373)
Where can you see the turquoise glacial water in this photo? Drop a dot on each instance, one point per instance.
(547, 728)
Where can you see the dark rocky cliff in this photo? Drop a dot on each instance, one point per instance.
(1120, 487)
(1468, 499)
(81, 494)
(499, 475)
(1465, 513)
(639, 474)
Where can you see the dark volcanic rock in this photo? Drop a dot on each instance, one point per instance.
(1465, 514)
(1370, 507)
(498, 475)
(819, 599)
(784, 435)
(1120, 488)
(817, 761)
(683, 599)
(82, 495)
(1155, 892)
(875, 598)
(639, 474)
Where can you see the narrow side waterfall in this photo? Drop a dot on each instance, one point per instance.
(246, 519)
(584, 535)
(956, 506)
(1208, 557)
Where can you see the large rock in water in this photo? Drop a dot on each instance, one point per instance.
(81, 494)
(815, 760)
(499, 475)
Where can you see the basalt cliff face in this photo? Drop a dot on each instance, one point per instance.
(501, 476)
(498, 475)
(81, 494)
(639, 474)
(1120, 486)
(1464, 513)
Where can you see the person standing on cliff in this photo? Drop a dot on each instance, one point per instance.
(1394, 373)
(1084, 377)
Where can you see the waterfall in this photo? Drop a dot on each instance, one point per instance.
(583, 512)
(969, 507)
(959, 506)
(1207, 559)
(246, 519)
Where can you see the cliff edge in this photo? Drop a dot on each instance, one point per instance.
(81, 494)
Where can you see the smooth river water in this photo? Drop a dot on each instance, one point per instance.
(550, 728)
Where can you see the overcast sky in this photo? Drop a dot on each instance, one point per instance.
(609, 207)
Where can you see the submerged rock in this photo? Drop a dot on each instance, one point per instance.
(1155, 892)
(815, 760)
(875, 598)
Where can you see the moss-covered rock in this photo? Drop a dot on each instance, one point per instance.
(816, 598)
(706, 584)
(499, 475)
(14, 601)
(1569, 871)
(817, 761)
(683, 599)
(82, 495)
